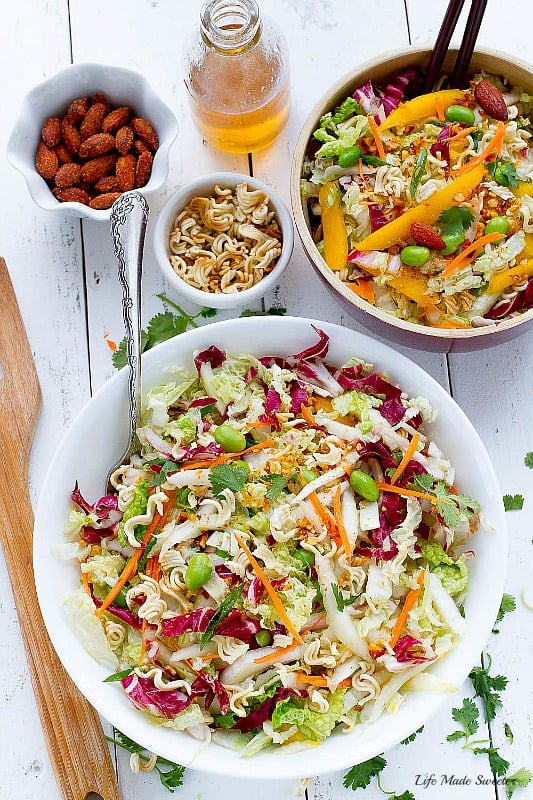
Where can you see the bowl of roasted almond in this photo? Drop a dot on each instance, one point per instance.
(87, 135)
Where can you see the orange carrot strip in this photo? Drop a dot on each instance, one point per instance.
(306, 414)
(144, 625)
(159, 520)
(278, 605)
(198, 464)
(469, 253)
(228, 456)
(377, 137)
(85, 583)
(413, 444)
(439, 108)
(340, 523)
(494, 144)
(320, 680)
(410, 603)
(449, 324)
(325, 515)
(360, 168)
(276, 655)
(388, 487)
(363, 289)
(462, 134)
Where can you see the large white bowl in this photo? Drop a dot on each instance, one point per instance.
(204, 186)
(51, 98)
(97, 438)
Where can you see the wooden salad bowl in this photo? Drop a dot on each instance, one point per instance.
(374, 319)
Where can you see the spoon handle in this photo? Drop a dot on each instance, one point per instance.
(129, 216)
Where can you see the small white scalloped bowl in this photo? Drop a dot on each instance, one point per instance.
(96, 439)
(202, 186)
(52, 97)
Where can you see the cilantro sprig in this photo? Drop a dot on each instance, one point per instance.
(455, 220)
(359, 776)
(161, 327)
(228, 476)
(412, 737)
(528, 460)
(468, 718)
(220, 614)
(277, 483)
(342, 602)
(488, 687)
(518, 780)
(451, 507)
(513, 502)
(507, 606)
(170, 774)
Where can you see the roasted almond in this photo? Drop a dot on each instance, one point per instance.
(116, 119)
(99, 97)
(146, 132)
(124, 139)
(428, 237)
(103, 201)
(139, 146)
(491, 100)
(97, 145)
(67, 175)
(51, 132)
(92, 121)
(46, 161)
(63, 155)
(144, 169)
(71, 136)
(77, 109)
(107, 184)
(72, 194)
(125, 172)
(98, 168)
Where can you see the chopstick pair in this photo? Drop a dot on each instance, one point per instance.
(464, 56)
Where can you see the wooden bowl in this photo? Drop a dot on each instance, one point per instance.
(376, 320)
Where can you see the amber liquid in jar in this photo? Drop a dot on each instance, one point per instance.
(239, 88)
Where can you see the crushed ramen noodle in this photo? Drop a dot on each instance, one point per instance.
(226, 242)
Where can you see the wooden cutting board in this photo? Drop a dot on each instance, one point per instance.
(74, 736)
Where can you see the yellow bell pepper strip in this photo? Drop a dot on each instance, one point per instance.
(507, 277)
(333, 227)
(426, 105)
(524, 187)
(527, 252)
(414, 285)
(427, 212)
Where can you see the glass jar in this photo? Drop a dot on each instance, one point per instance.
(237, 76)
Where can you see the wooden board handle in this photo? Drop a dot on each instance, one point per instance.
(76, 744)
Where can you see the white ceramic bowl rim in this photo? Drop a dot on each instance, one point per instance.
(311, 121)
(52, 95)
(95, 440)
(200, 186)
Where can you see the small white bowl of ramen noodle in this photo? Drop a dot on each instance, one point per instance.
(224, 239)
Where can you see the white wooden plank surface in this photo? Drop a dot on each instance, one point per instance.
(46, 259)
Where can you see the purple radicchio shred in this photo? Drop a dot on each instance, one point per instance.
(299, 398)
(209, 687)
(208, 451)
(375, 450)
(272, 401)
(238, 626)
(318, 350)
(146, 697)
(377, 217)
(121, 613)
(412, 468)
(195, 621)
(264, 711)
(94, 535)
(441, 147)
(409, 649)
(392, 410)
(256, 589)
(379, 553)
(200, 402)
(212, 356)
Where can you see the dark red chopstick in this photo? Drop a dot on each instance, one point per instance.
(442, 42)
(468, 43)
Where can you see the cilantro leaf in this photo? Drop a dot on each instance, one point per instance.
(274, 311)
(228, 476)
(341, 601)
(468, 717)
(403, 796)
(528, 460)
(487, 688)
(171, 778)
(359, 777)
(412, 737)
(418, 171)
(513, 502)
(518, 780)
(508, 733)
(208, 313)
(164, 326)
(497, 764)
(507, 605)
(503, 172)
(455, 220)
(117, 676)
(220, 614)
(277, 484)
(166, 466)
(120, 356)
(451, 507)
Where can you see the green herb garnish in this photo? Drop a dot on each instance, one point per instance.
(228, 476)
(418, 171)
(359, 777)
(117, 676)
(342, 602)
(220, 614)
(455, 220)
(513, 502)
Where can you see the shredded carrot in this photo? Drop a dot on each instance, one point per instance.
(360, 168)
(410, 603)
(439, 108)
(252, 425)
(144, 625)
(85, 582)
(337, 510)
(274, 656)
(198, 464)
(462, 134)
(278, 605)
(129, 570)
(325, 515)
(469, 253)
(449, 324)
(411, 450)
(363, 289)
(306, 414)
(154, 568)
(110, 343)
(228, 456)
(494, 144)
(377, 137)
(388, 487)
(320, 680)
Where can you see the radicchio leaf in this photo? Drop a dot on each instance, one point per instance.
(409, 649)
(121, 613)
(209, 687)
(212, 356)
(238, 626)
(392, 410)
(318, 350)
(264, 711)
(272, 401)
(144, 696)
(377, 217)
(208, 451)
(195, 621)
(375, 450)
(299, 398)
(441, 147)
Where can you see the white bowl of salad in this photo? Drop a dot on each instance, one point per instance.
(291, 573)
(416, 208)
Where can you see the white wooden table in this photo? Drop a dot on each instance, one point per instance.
(65, 278)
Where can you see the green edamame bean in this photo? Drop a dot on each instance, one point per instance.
(414, 255)
(453, 240)
(198, 571)
(263, 638)
(364, 485)
(460, 114)
(350, 156)
(232, 440)
(308, 475)
(497, 225)
(307, 557)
